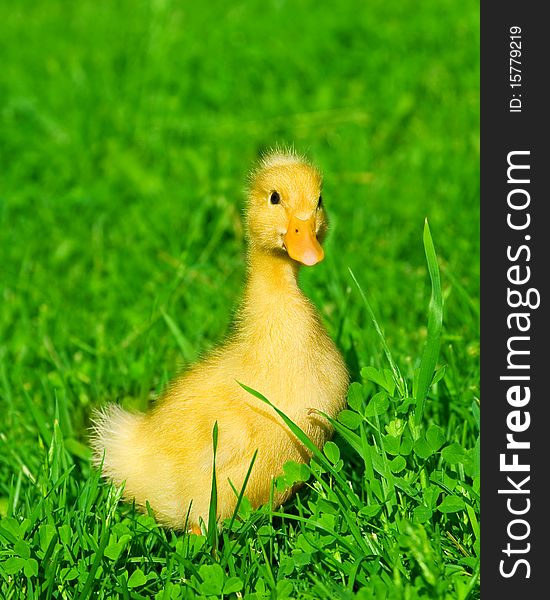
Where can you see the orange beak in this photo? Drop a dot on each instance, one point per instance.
(301, 242)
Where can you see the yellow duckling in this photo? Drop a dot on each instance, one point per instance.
(278, 347)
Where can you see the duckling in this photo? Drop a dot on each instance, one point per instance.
(278, 347)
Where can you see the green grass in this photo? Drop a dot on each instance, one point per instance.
(126, 130)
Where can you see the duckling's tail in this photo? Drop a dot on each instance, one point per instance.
(113, 441)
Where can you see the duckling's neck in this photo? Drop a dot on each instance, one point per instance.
(275, 314)
(272, 278)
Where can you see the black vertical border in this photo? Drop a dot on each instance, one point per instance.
(503, 131)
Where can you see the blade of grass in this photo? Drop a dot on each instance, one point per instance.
(398, 378)
(435, 322)
(38, 416)
(241, 493)
(311, 523)
(212, 532)
(320, 457)
(184, 345)
(103, 541)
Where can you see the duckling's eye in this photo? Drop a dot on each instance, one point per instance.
(320, 202)
(274, 198)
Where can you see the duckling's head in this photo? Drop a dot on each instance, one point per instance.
(285, 212)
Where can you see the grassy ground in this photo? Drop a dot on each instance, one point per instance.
(126, 130)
